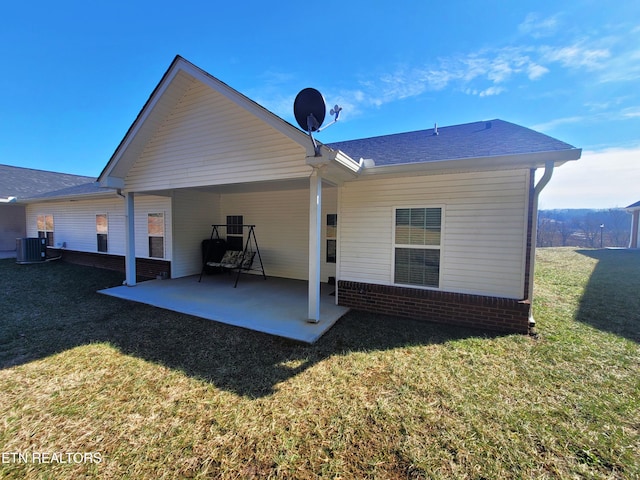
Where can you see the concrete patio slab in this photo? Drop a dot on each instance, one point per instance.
(276, 306)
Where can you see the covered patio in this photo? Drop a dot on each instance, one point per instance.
(276, 306)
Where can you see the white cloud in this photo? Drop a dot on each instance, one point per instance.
(539, 27)
(632, 112)
(488, 92)
(577, 56)
(602, 113)
(600, 179)
(551, 124)
(491, 91)
(623, 67)
(535, 71)
(490, 72)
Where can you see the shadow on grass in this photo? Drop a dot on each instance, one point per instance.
(50, 308)
(611, 299)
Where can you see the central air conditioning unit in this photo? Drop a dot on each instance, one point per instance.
(31, 250)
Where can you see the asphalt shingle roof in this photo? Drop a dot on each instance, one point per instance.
(471, 140)
(26, 182)
(634, 205)
(90, 188)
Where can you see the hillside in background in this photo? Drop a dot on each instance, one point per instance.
(584, 228)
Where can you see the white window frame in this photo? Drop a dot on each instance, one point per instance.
(235, 230)
(439, 247)
(163, 236)
(333, 238)
(106, 216)
(46, 230)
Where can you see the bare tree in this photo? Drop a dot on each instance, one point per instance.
(589, 226)
(565, 230)
(546, 232)
(618, 222)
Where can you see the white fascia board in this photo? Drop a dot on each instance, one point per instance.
(71, 198)
(8, 200)
(336, 164)
(112, 182)
(504, 162)
(346, 162)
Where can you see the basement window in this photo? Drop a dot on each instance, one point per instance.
(417, 245)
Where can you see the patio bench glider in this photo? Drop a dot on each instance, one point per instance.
(238, 260)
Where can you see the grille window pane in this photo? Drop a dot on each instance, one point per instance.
(417, 267)
(418, 226)
(417, 251)
(156, 247)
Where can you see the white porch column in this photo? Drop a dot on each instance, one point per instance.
(315, 230)
(130, 240)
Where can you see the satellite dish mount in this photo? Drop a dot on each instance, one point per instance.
(309, 110)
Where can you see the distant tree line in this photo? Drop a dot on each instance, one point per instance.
(584, 228)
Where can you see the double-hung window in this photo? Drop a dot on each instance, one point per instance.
(102, 231)
(235, 231)
(155, 229)
(45, 228)
(417, 244)
(332, 234)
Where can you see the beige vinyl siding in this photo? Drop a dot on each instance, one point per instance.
(209, 140)
(75, 223)
(483, 239)
(144, 205)
(329, 205)
(282, 228)
(193, 214)
(171, 95)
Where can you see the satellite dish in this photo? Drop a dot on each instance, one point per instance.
(309, 109)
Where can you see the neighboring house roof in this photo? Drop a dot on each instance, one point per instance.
(634, 205)
(472, 140)
(84, 190)
(26, 182)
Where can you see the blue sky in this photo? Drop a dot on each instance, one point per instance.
(75, 74)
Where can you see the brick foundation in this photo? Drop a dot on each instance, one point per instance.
(491, 313)
(146, 268)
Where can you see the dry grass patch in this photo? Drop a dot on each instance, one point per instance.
(162, 395)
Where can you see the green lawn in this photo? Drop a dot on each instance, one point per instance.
(154, 394)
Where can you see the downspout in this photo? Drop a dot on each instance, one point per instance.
(544, 180)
